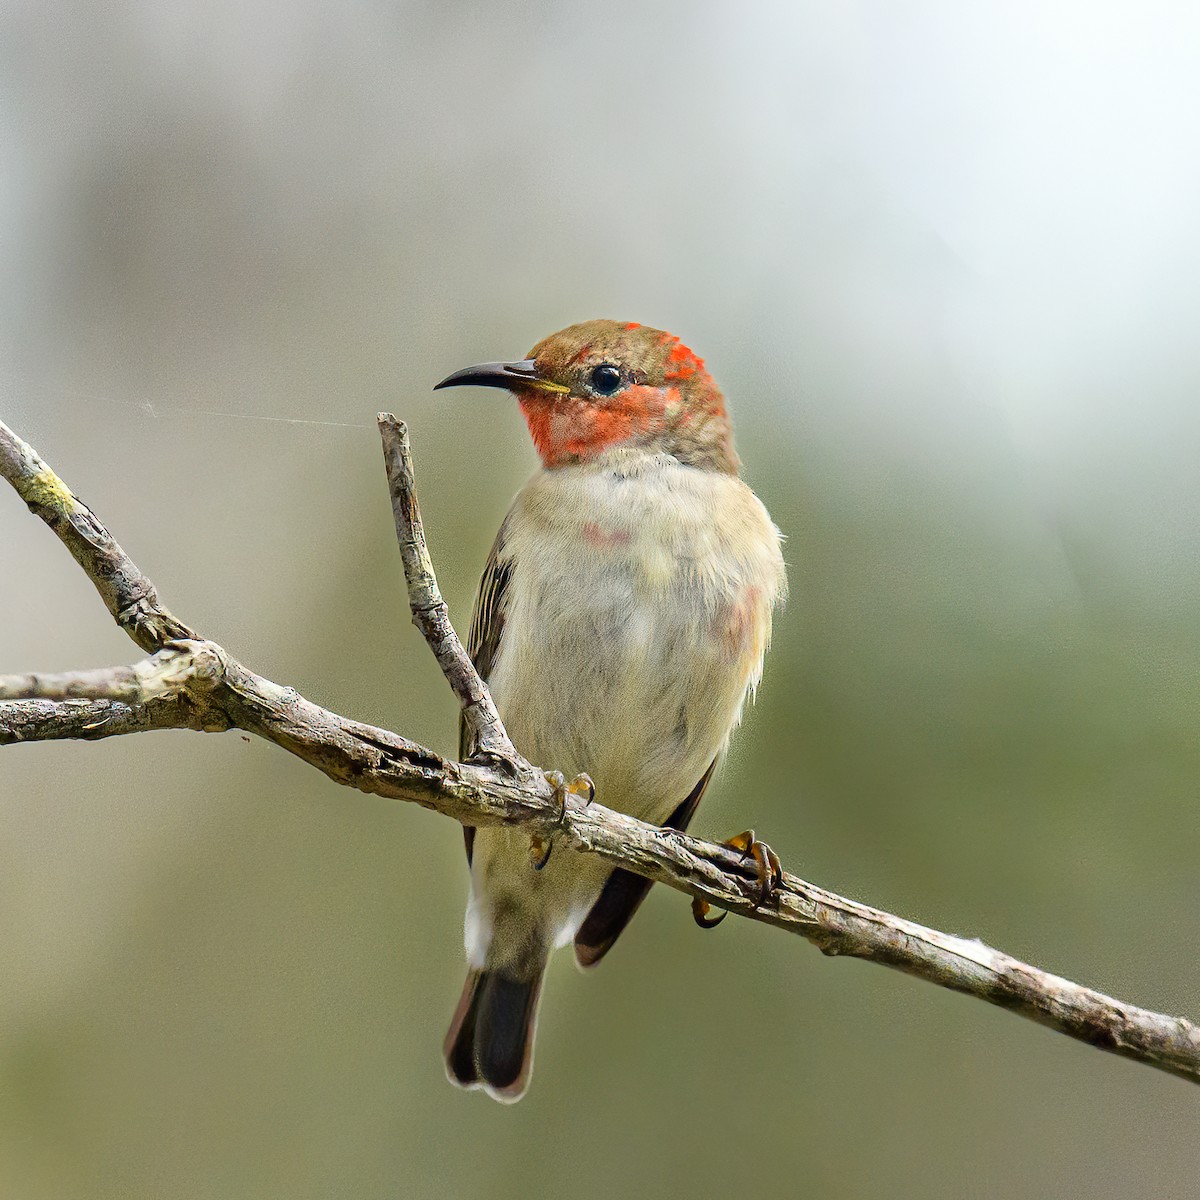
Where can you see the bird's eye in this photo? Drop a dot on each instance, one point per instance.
(605, 379)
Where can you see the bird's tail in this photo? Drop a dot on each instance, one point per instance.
(490, 1042)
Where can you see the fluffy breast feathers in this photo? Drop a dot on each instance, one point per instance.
(637, 611)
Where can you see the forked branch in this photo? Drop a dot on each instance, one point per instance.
(188, 682)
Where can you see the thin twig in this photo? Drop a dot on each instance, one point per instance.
(191, 683)
(126, 592)
(429, 612)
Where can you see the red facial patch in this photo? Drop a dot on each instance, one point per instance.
(567, 429)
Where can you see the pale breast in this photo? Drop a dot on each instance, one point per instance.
(636, 620)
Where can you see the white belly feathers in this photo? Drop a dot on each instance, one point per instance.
(632, 661)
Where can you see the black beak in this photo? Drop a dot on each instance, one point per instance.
(502, 375)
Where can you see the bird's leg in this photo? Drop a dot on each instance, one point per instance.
(581, 785)
(768, 868)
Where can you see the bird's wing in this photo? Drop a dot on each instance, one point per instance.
(624, 891)
(483, 642)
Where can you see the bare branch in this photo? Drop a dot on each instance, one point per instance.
(167, 673)
(126, 592)
(429, 612)
(90, 720)
(190, 683)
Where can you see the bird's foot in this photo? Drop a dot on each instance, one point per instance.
(581, 785)
(768, 869)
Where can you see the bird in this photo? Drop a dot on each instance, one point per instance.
(621, 624)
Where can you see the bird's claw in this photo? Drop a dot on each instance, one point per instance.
(539, 851)
(581, 785)
(700, 911)
(768, 868)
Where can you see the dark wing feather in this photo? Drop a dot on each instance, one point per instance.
(624, 892)
(483, 642)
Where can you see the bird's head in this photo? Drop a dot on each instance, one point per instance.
(604, 384)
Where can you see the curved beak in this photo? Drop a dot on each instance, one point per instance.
(502, 375)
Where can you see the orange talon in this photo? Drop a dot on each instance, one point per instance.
(539, 851)
(769, 871)
(700, 911)
(581, 785)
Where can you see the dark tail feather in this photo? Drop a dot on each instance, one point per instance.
(491, 1037)
(623, 892)
(459, 1046)
(620, 898)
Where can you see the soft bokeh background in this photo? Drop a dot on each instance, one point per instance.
(944, 260)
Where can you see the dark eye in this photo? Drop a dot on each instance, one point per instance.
(605, 379)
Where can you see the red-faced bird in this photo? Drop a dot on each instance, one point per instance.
(621, 624)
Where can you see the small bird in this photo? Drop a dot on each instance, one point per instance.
(621, 622)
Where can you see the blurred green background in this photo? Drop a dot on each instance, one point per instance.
(943, 259)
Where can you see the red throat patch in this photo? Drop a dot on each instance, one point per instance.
(566, 429)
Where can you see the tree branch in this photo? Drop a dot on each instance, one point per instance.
(429, 612)
(126, 592)
(188, 682)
